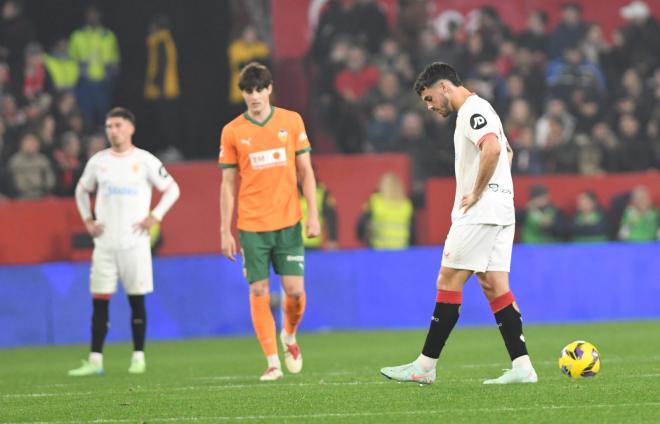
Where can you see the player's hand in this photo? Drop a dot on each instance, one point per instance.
(228, 246)
(468, 201)
(313, 228)
(94, 228)
(146, 224)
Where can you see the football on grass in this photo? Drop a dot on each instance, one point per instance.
(579, 359)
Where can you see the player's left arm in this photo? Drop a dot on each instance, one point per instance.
(163, 181)
(308, 183)
(509, 154)
(488, 158)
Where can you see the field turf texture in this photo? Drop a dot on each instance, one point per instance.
(216, 381)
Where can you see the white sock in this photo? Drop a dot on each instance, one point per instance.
(426, 363)
(96, 358)
(273, 361)
(522, 362)
(138, 355)
(288, 338)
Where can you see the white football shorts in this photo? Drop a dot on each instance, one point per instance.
(132, 266)
(479, 247)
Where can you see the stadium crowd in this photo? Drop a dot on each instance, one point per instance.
(573, 99)
(52, 104)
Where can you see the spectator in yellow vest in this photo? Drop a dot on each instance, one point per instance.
(62, 68)
(95, 49)
(325, 203)
(387, 222)
(248, 48)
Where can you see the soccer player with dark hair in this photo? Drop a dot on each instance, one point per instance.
(268, 148)
(122, 177)
(480, 239)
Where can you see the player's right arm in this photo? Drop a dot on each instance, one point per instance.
(509, 154)
(84, 188)
(227, 202)
(228, 161)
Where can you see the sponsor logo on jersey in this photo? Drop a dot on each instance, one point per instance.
(302, 137)
(246, 141)
(292, 258)
(283, 135)
(268, 158)
(121, 191)
(477, 121)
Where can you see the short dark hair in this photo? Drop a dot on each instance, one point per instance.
(121, 112)
(254, 76)
(435, 72)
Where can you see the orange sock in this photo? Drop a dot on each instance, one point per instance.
(293, 312)
(264, 324)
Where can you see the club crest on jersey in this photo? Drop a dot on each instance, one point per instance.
(477, 121)
(283, 135)
(136, 167)
(268, 158)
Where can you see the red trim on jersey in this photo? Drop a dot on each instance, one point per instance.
(102, 296)
(501, 302)
(449, 296)
(123, 154)
(482, 139)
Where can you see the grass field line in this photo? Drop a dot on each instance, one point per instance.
(252, 376)
(270, 418)
(253, 385)
(37, 395)
(258, 385)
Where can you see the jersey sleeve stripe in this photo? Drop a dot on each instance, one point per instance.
(482, 139)
(302, 151)
(227, 165)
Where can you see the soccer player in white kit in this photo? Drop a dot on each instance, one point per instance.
(122, 177)
(480, 239)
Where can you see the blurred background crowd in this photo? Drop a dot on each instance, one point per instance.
(573, 98)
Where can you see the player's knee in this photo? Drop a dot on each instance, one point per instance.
(259, 288)
(296, 293)
(486, 285)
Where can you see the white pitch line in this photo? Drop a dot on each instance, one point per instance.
(277, 384)
(37, 395)
(271, 418)
(253, 376)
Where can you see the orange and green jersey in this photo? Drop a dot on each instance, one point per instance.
(265, 155)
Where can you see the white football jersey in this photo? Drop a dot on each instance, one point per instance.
(123, 184)
(476, 119)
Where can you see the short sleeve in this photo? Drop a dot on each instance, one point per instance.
(481, 121)
(158, 175)
(227, 157)
(302, 142)
(88, 177)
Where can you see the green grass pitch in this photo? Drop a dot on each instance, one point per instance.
(216, 381)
